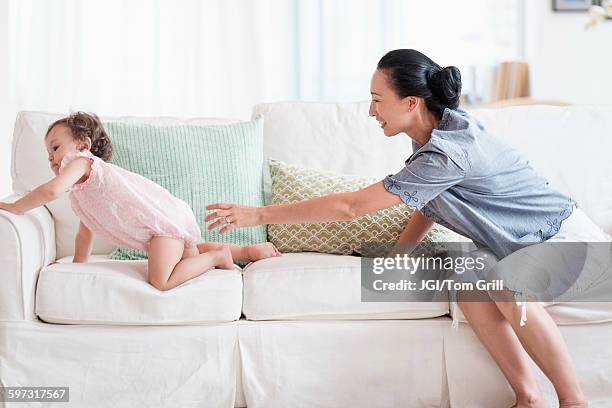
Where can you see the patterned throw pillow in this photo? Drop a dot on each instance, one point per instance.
(200, 165)
(293, 183)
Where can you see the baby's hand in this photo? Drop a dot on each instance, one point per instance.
(10, 207)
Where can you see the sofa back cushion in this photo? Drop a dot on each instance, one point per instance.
(336, 137)
(30, 168)
(200, 165)
(571, 146)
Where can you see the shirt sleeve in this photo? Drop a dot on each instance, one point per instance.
(74, 154)
(425, 175)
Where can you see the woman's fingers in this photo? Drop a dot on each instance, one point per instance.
(219, 206)
(217, 214)
(227, 228)
(214, 225)
(221, 218)
(230, 217)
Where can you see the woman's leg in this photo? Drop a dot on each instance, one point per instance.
(499, 339)
(542, 339)
(170, 264)
(250, 253)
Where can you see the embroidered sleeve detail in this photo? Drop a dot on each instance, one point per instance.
(425, 176)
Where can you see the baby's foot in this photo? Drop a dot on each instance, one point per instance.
(223, 258)
(261, 251)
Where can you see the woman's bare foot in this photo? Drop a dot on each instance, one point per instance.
(261, 251)
(223, 258)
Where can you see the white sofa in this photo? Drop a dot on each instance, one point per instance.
(288, 331)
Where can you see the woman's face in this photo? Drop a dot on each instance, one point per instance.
(391, 111)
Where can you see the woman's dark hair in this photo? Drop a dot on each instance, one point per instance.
(85, 125)
(412, 73)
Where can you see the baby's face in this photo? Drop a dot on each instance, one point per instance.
(59, 141)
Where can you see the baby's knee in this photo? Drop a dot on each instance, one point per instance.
(159, 284)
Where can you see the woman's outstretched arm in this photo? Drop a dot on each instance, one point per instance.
(333, 207)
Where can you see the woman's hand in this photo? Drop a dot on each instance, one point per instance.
(10, 207)
(232, 216)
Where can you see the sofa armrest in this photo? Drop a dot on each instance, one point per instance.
(28, 245)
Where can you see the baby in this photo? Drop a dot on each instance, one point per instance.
(126, 208)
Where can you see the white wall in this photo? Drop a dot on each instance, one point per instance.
(567, 62)
(6, 112)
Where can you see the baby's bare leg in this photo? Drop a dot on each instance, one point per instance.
(238, 251)
(248, 253)
(170, 265)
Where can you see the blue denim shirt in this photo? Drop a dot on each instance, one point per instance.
(471, 182)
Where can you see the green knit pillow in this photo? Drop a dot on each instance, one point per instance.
(200, 165)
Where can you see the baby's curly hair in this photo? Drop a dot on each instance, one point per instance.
(87, 125)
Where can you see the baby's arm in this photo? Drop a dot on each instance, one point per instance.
(83, 244)
(51, 190)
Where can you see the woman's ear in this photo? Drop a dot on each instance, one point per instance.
(411, 103)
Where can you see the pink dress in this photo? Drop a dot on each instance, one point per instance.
(128, 209)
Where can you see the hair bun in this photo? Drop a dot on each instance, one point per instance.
(445, 85)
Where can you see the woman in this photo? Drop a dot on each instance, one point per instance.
(461, 177)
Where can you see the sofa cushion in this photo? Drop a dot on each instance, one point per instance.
(570, 313)
(304, 286)
(104, 291)
(338, 137)
(199, 165)
(292, 183)
(578, 312)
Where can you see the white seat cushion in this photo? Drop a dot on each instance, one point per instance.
(304, 286)
(117, 292)
(571, 313)
(594, 308)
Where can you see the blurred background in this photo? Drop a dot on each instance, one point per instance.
(217, 58)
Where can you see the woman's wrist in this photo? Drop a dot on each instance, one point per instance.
(261, 215)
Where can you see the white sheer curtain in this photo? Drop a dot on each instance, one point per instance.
(220, 57)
